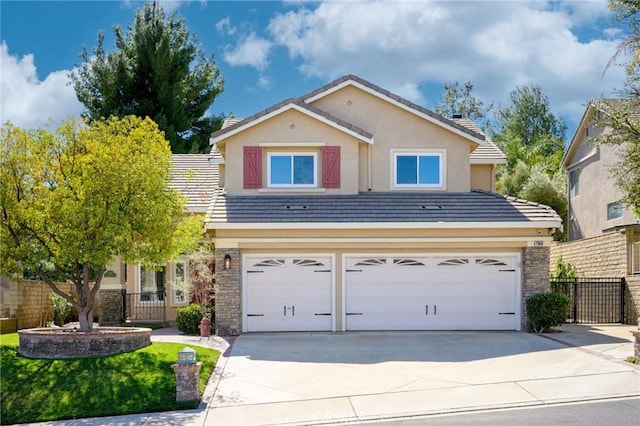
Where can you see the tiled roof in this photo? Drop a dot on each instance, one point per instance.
(391, 207)
(487, 153)
(195, 178)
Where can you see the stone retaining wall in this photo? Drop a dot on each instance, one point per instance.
(601, 256)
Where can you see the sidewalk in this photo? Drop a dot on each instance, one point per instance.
(291, 378)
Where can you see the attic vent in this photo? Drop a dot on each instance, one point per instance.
(296, 207)
(431, 207)
(456, 116)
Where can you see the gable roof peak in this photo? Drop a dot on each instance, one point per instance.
(395, 99)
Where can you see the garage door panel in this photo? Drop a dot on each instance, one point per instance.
(438, 293)
(289, 294)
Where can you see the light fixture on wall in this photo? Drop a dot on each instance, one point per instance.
(227, 261)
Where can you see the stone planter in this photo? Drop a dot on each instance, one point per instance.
(69, 343)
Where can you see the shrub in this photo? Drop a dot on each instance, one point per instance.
(188, 318)
(564, 270)
(546, 310)
(61, 309)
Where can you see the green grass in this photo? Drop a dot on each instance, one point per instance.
(140, 381)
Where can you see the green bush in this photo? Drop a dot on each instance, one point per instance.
(546, 310)
(61, 309)
(188, 319)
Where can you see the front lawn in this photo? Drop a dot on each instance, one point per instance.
(36, 390)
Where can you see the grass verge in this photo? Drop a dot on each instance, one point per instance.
(140, 381)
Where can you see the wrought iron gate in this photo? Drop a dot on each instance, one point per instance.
(594, 300)
(145, 307)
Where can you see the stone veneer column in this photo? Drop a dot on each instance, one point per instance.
(228, 294)
(535, 276)
(111, 307)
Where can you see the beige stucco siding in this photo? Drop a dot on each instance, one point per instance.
(290, 127)
(395, 128)
(588, 210)
(482, 177)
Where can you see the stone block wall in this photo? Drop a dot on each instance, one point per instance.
(111, 307)
(535, 276)
(601, 256)
(228, 294)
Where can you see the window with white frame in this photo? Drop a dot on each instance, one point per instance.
(422, 169)
(574, 183)
(180, 282)
(615, 210)
(152, 283)
(292, 169)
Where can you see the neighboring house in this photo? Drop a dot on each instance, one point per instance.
(351, 208)
(594, 199)
(603, 235)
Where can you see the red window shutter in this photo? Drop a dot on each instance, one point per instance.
(331, 167)
(252, 167)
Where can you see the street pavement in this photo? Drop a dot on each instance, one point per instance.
(347, 378)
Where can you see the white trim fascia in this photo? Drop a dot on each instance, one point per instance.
(383, 225)
(396, 103)
(487, 161)
(291, 144)
(592, 154)
(243, 287)
(285, 108)
(530, 241)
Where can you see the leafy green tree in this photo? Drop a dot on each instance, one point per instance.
(156, 70)
(532, 138)
(458, 99)
(73, 198)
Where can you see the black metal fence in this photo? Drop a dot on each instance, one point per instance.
(145, 307)
(596, 300)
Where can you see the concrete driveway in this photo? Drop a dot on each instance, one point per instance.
(305, 378)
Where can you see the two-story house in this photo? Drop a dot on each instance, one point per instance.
(351, 208)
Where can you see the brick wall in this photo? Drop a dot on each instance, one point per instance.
(601, 256)
(535, 276)
(228, 294)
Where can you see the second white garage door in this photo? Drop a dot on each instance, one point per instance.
(432, 293)
(288, 294)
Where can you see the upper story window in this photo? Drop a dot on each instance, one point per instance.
(615, 210)
(423, 169)
(292, 169)
(574, 183)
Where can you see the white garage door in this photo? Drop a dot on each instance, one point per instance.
(432, 293)
(288, 294)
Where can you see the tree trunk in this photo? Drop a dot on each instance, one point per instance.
(85, 317)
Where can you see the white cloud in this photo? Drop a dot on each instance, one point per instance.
(224, 26)
(27, 101)
(251, 51)
(495, 45)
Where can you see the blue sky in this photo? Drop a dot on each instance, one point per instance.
(268, 51)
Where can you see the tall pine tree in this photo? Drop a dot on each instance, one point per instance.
(156, 70)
